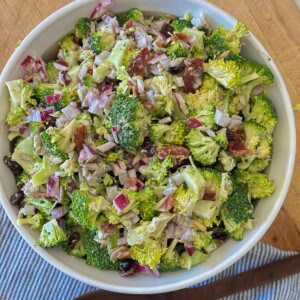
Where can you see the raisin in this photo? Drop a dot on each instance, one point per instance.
(73, 240)
(167, 30)
(14, 167)
(17, 198)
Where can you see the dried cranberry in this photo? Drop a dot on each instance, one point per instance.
(17, 198)
(127, 267)
(73, 240)
(14, 167)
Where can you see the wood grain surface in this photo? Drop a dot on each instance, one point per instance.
(276, 23)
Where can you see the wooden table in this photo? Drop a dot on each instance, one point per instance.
(275, 23)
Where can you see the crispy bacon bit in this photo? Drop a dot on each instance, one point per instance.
(139, 63)
(135, 91)
(128, 24)
(80, 135)
(147, 105)
(236, 145)
(180, 36)
(193, 74)
(167, 30)
(209, 195)
(194, 123)
(108, 228)
(175, 151)
(133, 184)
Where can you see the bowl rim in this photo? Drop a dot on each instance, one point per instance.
(189, 280)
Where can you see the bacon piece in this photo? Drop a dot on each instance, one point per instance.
(80, 135)
(236, 145)
(180, 36)
(139, 63)
(209, 195)
(175, 151)
(128, 24)
(147, 105)
(194, 123)
(193, 74)
(107, 228)
(133, 184)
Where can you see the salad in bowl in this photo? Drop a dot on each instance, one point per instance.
(142, 145)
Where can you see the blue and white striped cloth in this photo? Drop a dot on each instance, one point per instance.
(25, 275)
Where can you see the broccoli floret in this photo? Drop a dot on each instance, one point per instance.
(47, 168)
(202, 239)
(52, 72)
(203, 148)
(146, 199)
(102, 41)
(15, 117)
(44, 89)
(254, 133)
(227, 161)
(113, 156)
(22, 178)
(149, 253)
(177, 49)
(227, 73)
(86, 209)
(258, 184)
(224, 40)
(111, 214)
(68, 43)
(52, 147)
(169, 261)
(42, 205)
(169, 134)
(128, 113)
(52, 235)
(157, 169)
(122, 18)
(258, 165)
(209, 94)
(95, 255)
(180, 24)
(136, 15)
(184, 200)
(263, 112)
(198, 46)
(82, 28)
(88, 81)
(237, 211)
(221, 138)
(206, 115)
(108, 180)
(26, 100)
(35, 222)
(187, 261)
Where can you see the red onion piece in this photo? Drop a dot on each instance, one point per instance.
(64, 78)
(123, 177)
(46, 114)
(90, 152)
(132, 173)
(121, 202)
(156, 272)
(115, 137)
(27, 62)
(221, 118)
(71, 112)
(143, 269)
(53, 187)
(157, 59)
(100, 9)
(194, 123)
(34, 116)
(116, 128)
(61, 65)
(181, 103)
(59, 212)
(54, 98)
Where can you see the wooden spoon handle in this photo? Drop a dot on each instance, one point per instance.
(222, 288)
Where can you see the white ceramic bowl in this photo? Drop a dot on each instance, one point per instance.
(42, 41)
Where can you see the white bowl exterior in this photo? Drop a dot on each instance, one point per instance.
(49, 32)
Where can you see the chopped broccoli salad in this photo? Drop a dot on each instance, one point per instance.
(141, 146)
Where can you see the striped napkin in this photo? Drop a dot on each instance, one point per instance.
(25, 275)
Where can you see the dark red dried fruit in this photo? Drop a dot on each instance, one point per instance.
(175, 151)
(139, 63)
(167, 30)
(73, 240)
(193, 74)
(209, 195)
(127, 267)
(17, 198)
(14, 167)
